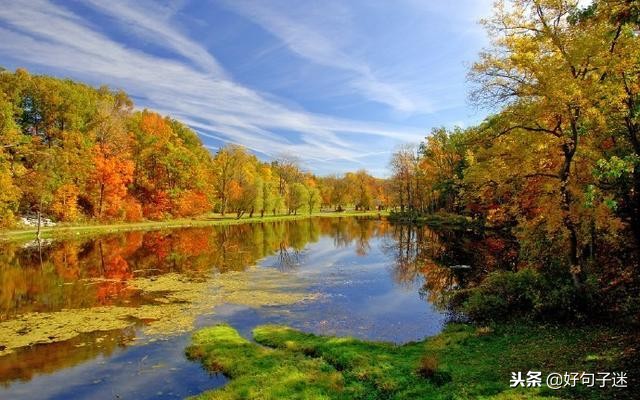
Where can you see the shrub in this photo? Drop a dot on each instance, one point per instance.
(428, 369)
(428, 366)
(523, 294)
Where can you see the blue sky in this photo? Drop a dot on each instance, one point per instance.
(338, 84)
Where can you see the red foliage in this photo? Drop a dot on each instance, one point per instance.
(156, 205)
(111, 175)
(132, 210)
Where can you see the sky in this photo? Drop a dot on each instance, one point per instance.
(337, 84)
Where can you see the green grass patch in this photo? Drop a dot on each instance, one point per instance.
(438, 219)
(463, 362)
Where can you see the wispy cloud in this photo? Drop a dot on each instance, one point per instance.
(156, 26)
(320, 35)
(194, 87)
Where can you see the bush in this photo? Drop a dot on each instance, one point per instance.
(428, 366)
(523, 294)
(428, 369)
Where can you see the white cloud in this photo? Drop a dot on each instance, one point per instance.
(320, 38)
(157, 26)
(197, 89)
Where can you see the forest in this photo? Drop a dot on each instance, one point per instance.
(78, 154)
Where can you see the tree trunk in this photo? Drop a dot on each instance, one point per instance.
(39, 224)
(409, 204)
(569, 150)
(101, 200)
(633, 133)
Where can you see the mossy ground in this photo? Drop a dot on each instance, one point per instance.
(472, 363)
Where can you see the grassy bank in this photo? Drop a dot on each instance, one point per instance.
(62, 230)
(463, 362)
(435, 219)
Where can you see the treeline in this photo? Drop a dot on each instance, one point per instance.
(559, 164)
(244, 184)
(75, 153)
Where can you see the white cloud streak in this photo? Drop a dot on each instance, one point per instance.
(195, 89)
(316, 37)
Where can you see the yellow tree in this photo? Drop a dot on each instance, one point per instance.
(403, 167)
(10, 138)
(617, 23)
(441, 163)
(541, 66)
(362, 186)
(235, 179)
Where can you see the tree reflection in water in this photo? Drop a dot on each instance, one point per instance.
(446, 259)
(45, 358)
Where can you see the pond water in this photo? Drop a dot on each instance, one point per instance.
(110, 316)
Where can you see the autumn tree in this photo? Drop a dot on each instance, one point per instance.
(362, 186)
(267, 192)
(227, 161)
(541, 67)
(340, 195)
(173, 168)
(441, 166)
(10, 138)
(403, 167)
(617, 24)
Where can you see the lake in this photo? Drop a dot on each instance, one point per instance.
(110, 316)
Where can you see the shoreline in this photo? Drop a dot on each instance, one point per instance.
(62, 231)
(462, 361)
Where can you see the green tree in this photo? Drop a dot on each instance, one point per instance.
(313, 199)
(298, 197)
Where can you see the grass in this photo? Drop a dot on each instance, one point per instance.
(432, 219)
(64, 230)
(463, 362)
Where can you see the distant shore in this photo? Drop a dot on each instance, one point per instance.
(67, 230)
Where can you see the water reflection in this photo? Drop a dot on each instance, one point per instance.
(362, 276)
(46, 358)
(84, 273)
(446, 259)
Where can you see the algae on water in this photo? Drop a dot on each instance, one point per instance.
(177, 301)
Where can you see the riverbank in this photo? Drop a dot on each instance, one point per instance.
(463, 362)
(434, 219)
(64, 231)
